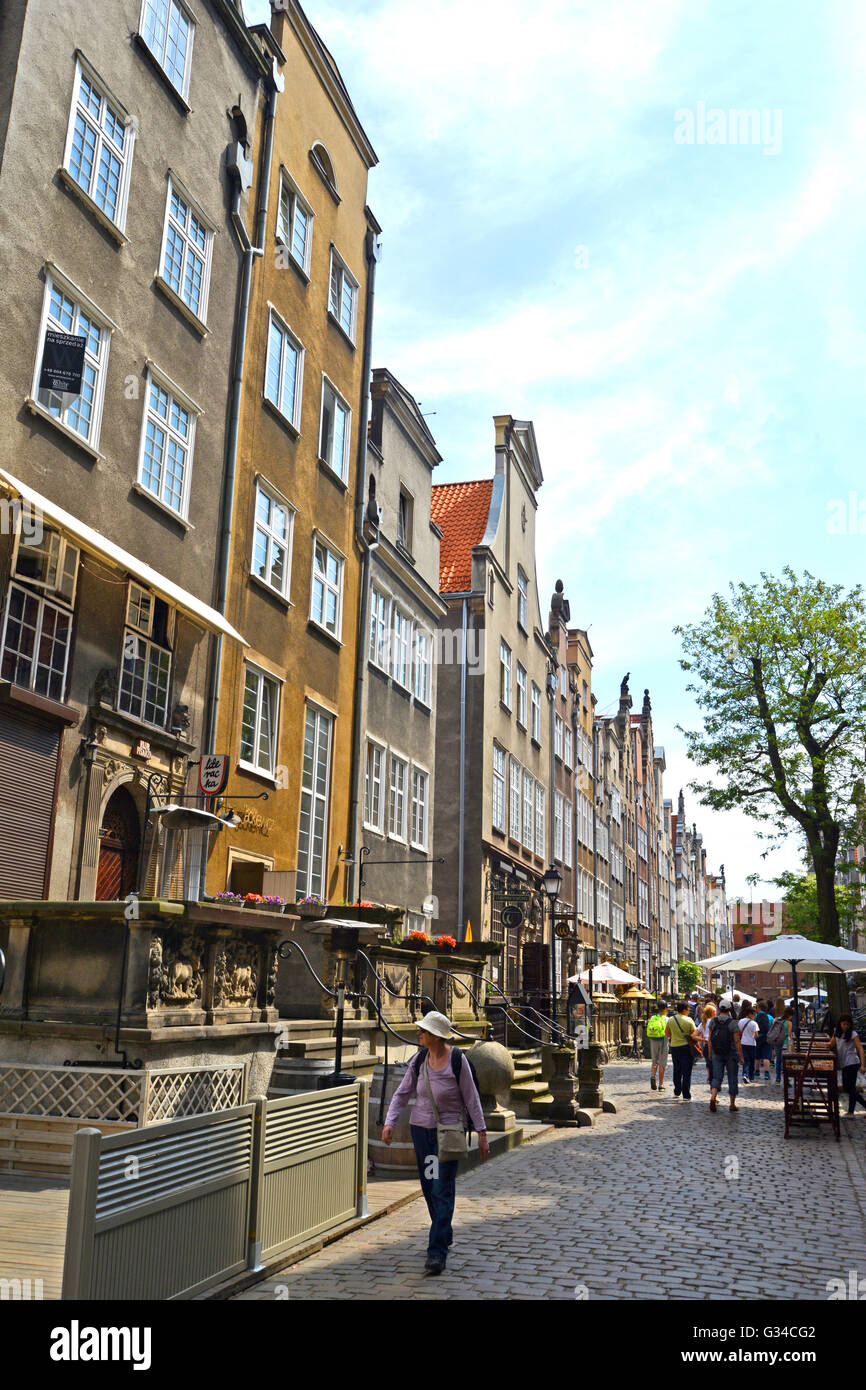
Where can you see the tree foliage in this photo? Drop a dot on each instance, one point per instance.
(688, 976)
(800, 896)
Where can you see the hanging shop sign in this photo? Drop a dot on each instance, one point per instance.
(213, 774)
(62, 363)
(512, 916)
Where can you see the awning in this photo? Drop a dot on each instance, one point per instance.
(98, 545)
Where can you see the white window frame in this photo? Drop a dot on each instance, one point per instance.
(340, 277)
(306, 882)
(419, 841)
(378, 640)
(328, 388)
(264, 677)
(568, 747)
(321, 577)
(540, 821)
(84, 71)
(522, 599)
(500, 789)
(558, 728)
(176, 187)
(98, 362)
(557, 825)
(142, 634)
(50, 597)
(370, 822)
(535, 712)
(183, 89)
(179, 399)
(291, 197)
(276, 322)
(567, 832)
(505, 693)
(527, 837)
(522, 695)
(396, 760)
(401, 644)
(272, 538)
(423, 674)
(515, 799)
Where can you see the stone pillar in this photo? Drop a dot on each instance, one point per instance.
(13, 999)
(565, 1112)
(590, 1077)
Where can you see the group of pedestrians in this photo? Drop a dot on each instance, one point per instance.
(735, 1040)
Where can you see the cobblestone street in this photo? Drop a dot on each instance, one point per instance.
(633, 1207)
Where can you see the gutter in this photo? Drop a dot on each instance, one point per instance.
(461, 819)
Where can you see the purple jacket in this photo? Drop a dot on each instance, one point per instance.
(452, 1101)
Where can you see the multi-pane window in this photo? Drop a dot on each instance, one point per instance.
(563, 681)
(423, 666)
(335, 430)
(374, 800)
(557, 825)
(522, 599)
(498, 788)
(326, 600)
(168, 439)
(378, 649)
(168, 31)
(63, 313)
(399, 776)
(569, 748)
(144, 675)
(37, 629)
(295, 224)
(400, 643)
(567, 832)
(557, 735)
(343, 295)
(522, 695)
(405, 511)
(535, 706)
(515, 800)
(186, 254)
(99, 147)
(259, 720)
(272, 540)
(418, 825)
(540, 828)
(284, 371)
(315, 792)
(528, 810)
(505, 673)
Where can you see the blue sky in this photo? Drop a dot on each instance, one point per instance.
(680, 320)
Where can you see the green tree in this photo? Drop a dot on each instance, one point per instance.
(777, 670)
(800, 895)
(688, 976)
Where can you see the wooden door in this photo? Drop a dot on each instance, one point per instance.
(119, 847)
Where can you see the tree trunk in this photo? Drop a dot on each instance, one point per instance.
(828, 927)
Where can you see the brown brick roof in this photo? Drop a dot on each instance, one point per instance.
(460, 510)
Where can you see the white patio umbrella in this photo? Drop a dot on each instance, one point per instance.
(607, 974)
(788, 954)
(744, 998)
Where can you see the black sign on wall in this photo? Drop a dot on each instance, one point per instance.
(62, 363)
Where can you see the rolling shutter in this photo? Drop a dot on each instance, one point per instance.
(29, 750)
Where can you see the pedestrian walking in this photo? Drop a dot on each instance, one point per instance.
(441, 1080)
(655, 1031)
(849, 1055)
(679, 1032)
(703, 1033)
(748, 1041)
(777, 1037)
(726, 1052)
(735, 1006)
(764, 1019)
(694, 1006)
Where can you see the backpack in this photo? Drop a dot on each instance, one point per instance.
(720, 1037)
(657, 1025)
(457, 1060)
(763, 1021)
(777, 1032)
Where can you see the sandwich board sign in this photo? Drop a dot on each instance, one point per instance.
(213, 774)
(62, 368)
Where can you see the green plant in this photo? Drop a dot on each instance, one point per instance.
(688, 976)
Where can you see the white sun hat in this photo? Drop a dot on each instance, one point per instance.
(437, 1024)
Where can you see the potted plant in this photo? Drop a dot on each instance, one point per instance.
(416, 941)
(376, 914)
(445, 943)
(312, 906)
(254, 900)
(229, 899)
(273, 903)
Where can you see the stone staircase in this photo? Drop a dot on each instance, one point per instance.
(529, 1097)
(308, 1049)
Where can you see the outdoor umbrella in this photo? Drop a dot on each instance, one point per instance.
(606, 974)
(789, 954)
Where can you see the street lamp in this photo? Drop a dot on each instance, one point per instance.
(552, 886)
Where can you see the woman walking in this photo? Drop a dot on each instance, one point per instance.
(780, 1031)
(441, 1080)
(748, 1041)
(703, 1032)
(679, 1030)
(764, 1017)
(849, 1055)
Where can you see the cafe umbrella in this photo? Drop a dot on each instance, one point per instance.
(791, 955)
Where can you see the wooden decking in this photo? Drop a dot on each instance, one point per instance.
(32, 1234)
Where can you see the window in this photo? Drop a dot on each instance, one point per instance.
(498, 788)
(343, 295)
(284, 371)
(335, 430)
(522, 600)
(99, 147)
(505, 674)
(36, 631)
(491, 588)
(324, 165)
(535, 701)
(568, 757)
(540, 848)
(405, 510)
(423, 666)
(400, 666)
(557, 825)
(420, 783)
(167, 442)
(326, 607)
(563, 681)
(515, 807)
(378, 652)
(521, 695)
(146, 665)
(168, 32)
(295, 223)
(315, 793)
(374, 801)
(63, 312)
(528, 811)
(259, 721)
(272, 540)
(557, 735)
(567, 833)
(186, 252)
(397, 798)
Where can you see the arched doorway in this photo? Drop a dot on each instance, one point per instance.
(119, 846)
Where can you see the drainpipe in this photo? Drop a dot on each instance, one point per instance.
(373, 250)
(275, 84)
(461, 818)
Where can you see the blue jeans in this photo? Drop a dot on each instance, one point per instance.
(439, 1192)
(749, 1062)
(779, 1049)
(728, 1063)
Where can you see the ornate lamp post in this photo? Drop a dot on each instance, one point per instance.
(552, 885)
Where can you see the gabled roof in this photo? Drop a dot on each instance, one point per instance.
(460, 511)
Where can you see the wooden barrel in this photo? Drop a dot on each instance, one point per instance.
(399, 1155)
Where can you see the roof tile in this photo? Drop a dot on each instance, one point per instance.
(460, 510)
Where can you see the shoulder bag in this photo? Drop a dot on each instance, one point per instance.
(450, 1139)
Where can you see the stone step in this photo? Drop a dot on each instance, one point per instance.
(318, 1047)
(523, 1096)
(294, 1074)
(538, 1108)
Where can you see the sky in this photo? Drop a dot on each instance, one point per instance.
(578, 229)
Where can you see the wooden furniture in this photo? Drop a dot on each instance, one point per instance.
(811, 1089)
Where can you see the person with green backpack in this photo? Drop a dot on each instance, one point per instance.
(655, 1031)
